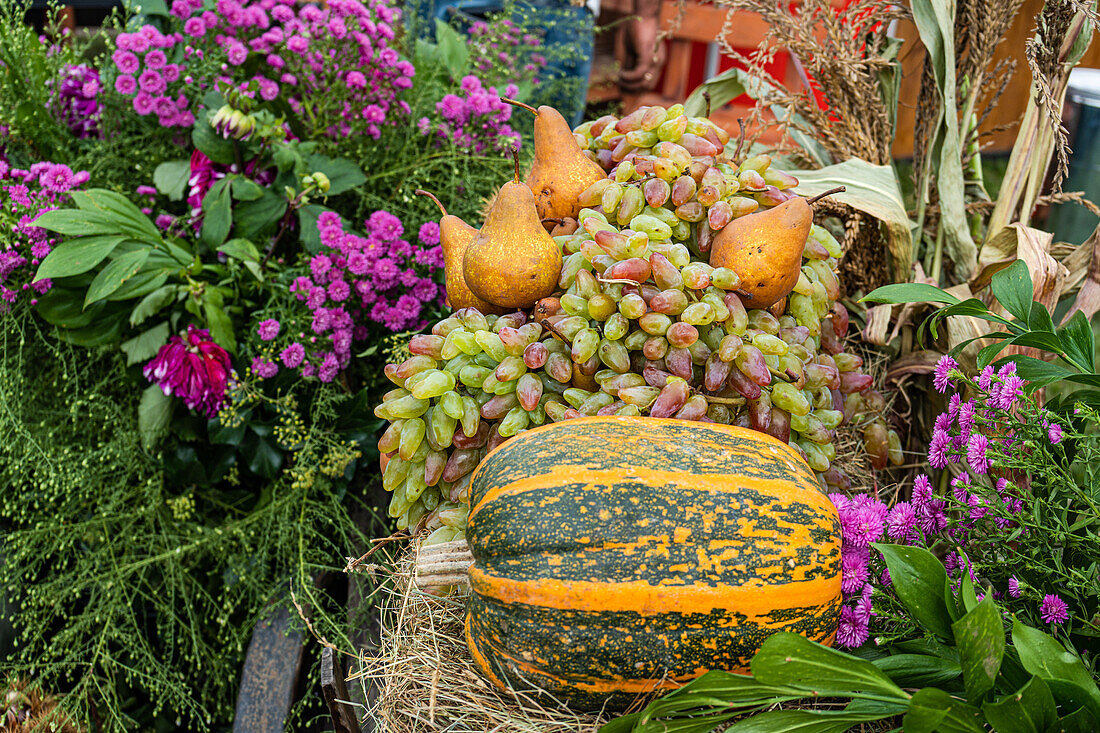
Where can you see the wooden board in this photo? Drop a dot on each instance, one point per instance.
(270, 675)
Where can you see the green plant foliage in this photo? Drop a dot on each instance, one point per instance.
(134, 590)
(1056, 691)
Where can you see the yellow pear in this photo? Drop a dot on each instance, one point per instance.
(765, 250)
(455, 236)
(561, 171)
(512, 262)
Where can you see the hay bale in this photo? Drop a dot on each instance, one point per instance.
(426, 681)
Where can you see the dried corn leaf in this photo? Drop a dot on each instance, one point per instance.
(1088, 297)
(878, 323)
(872, 189)
(1017, 241)
(935, 21)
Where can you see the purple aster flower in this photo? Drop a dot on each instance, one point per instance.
(268, 329)
(1053, 609)
(901, 521)
(293, 355)
(194, 27)
(967, 416)
(942, 377)
(151, 82)
(194, 368)
(126, 62)
(155, 59)
(853, 573)
(429, 234)
(264, 369)
(385, 225)
(57, 179)
(329, 367)
(986, 378)
(1055, 433)
(922, 491)
(938, 450)
(852, 631)
(976, 456)
(1012, 388)
(1014, 587)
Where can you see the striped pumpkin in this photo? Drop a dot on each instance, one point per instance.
(618, 555)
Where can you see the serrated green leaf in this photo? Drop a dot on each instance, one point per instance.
(909, 293)
(980, 638)
(75, 256)
(117, 272)
(145, 345)
(1013, 289)
(919, 579)
(170, 178)
(1030, 709)
(791, 660)
(154, 414)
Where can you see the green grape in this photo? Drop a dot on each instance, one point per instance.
(471, 416)
(616, 326)
(789, 398)
(576, 396)
(412, 434)
(516, 420)
(491, 344)
(397, 470)
(655, 324)
(615, 355)
(474, 376)
(631, 205)
(698, 314)
(770, 345)
(403, 407)
(600, 307)
(571, 265)
(623, 173)
(653, 227)
(585, 344)
(432, 383)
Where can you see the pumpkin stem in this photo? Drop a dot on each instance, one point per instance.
(740, 138)
(443, 564)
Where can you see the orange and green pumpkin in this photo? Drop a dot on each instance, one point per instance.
(618, 555)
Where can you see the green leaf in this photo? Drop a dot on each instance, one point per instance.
(989, 353)
(141, 284)
(802, 721)
(872, 189)
(252, 217)
(152, 304)
(792, 660)
(452, 49)
(221, 327)
(102, 330)
(1079, 721)
(1078, 341)
(241, 249)
(217, 214)
(1044, 657)
(246, 190)
(1030, 709)
(263, 458)
(916, 670)
(117, 272)
(919, 580)
(1040, 320)
(1039, 340)
(120, 208)
(154, 414)
(75, 256)
(307, 226)
(909, 293)
(343, 175)
(212, 145)
(1037, 371)
(145, 345)
(170, 178)
(1013, 289)
(77, 223)
(932, 709)
(980, 638)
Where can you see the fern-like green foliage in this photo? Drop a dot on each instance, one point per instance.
(138, 602)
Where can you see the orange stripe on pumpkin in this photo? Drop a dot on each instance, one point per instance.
(758, 602)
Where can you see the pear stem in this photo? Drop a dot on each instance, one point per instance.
(823, 194)
(740, 138)
(516, 103)
(430, 195)
(515, 161)
(706, 97)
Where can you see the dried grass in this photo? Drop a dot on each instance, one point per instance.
(426, 680)
(25, 707)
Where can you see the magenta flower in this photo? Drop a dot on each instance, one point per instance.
(852, 631)
(901, 522)
(976, 455)
(942, 376)
(1014, 587)
(938, 448)
(193, 368)
(1055, 433)
(268, 329)
(292, 355)
(922, 491)
(1053, 609)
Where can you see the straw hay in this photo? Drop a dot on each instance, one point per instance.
(426, 680)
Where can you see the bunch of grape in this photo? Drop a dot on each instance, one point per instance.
(642, 325)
